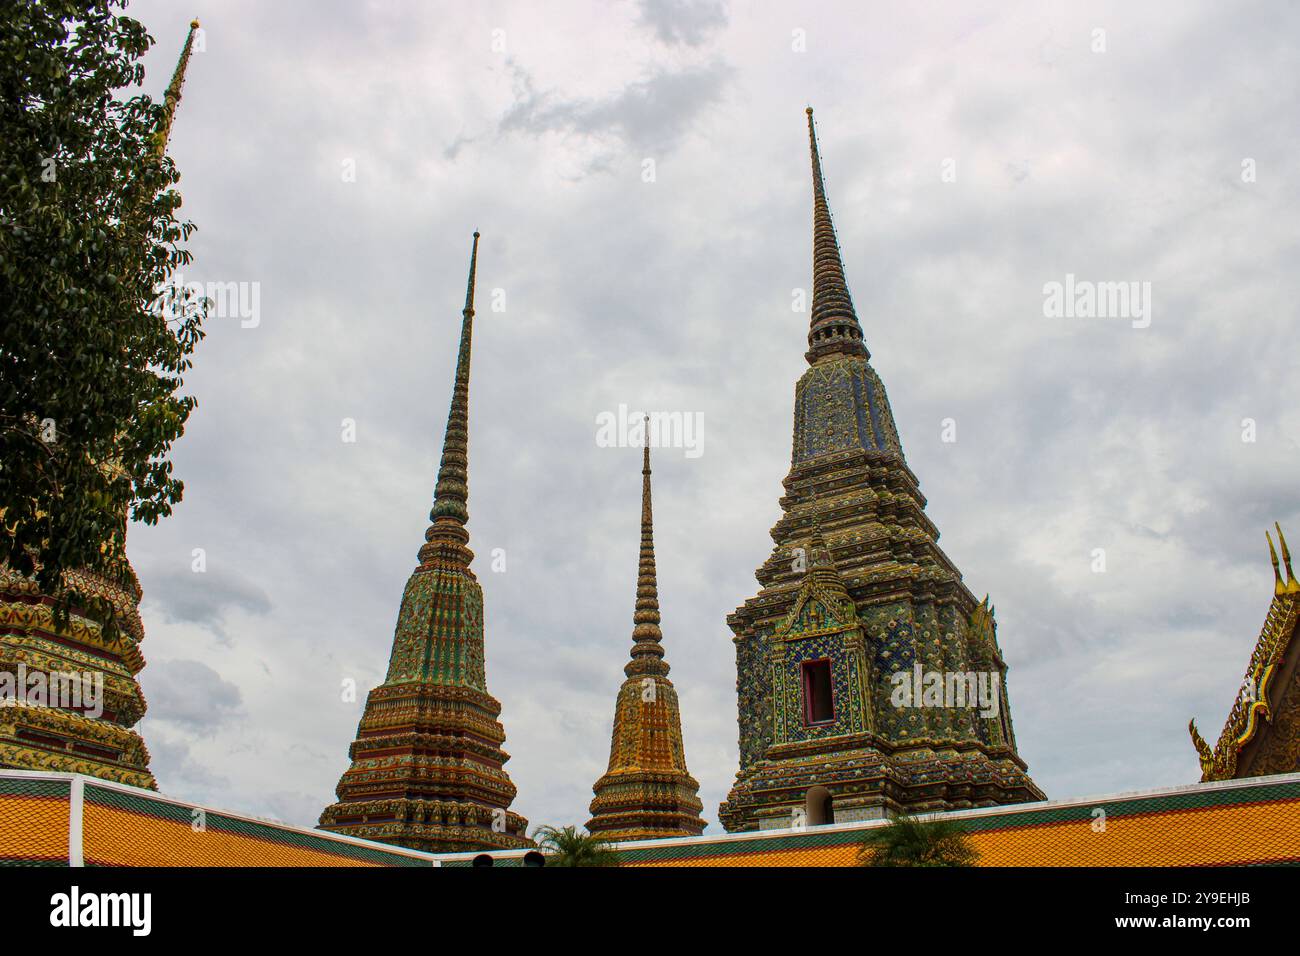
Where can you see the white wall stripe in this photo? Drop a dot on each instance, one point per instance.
(76, 807)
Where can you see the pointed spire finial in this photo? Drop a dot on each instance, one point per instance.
(1292, 585)
(473, 271)
(173, 95)
(446, 538)
(834, 325)
(647, 652)
(1278, 586)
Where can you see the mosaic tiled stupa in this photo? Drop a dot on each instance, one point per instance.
(1262, 733)
(74, 739)
(427, 765)
(857, 590)
(647, 792)
(32, 642)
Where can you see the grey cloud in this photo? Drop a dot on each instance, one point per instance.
(456, 145)
(206, 598)
(691, 22)
(178, 772)
(191, 695)
(650, 114)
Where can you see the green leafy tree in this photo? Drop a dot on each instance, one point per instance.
(916, 841)
(93, 344)
(570, 847)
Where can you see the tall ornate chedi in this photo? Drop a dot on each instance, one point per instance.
(427, 765)
(1262, 733)
(857, 660)
(80, 694)
(647, 791)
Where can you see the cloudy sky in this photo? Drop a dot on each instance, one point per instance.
(340, 155)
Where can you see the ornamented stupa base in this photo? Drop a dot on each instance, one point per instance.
(431, 826)
(33, 646)
(43, 738)
(646, 805)
(869, 784)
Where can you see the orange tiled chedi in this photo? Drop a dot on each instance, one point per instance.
(646, 792)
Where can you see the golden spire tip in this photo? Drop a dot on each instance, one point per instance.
(1291, 583)
(1278, 586)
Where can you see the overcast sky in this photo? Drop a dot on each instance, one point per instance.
(1125, 155)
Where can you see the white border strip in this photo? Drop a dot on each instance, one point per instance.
(76, 806)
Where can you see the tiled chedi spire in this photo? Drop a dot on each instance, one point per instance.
(427, 765)
(834, 328)
(647, 791)
(855, 592)
(36, 652)
(172, 96)
(1262, 733)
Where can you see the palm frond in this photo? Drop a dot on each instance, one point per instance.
(918, 841)
(567, 846)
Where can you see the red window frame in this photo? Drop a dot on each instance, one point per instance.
(806, 674)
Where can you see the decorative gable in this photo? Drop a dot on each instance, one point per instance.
(817, 610)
